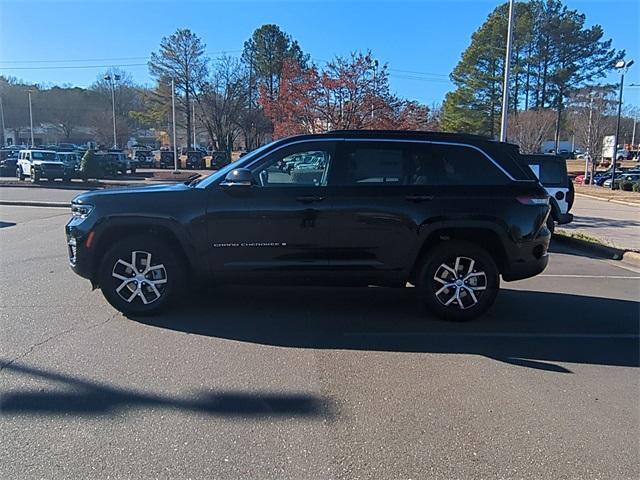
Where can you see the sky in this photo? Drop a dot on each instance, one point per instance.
(72, 42)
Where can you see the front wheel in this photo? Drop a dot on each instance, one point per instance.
(19, 174)
(458, 280)
(141, 276)
(35, 176)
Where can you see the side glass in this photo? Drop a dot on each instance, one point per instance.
(308, 168)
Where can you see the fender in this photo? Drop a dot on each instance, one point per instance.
(112, 224)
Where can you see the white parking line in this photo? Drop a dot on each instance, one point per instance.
(634, 336)
(619, 277)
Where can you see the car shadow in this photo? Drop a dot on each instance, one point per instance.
(525, 328)
(90, 398)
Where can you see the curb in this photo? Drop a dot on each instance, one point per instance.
(591, 247)
(621, 202)
(18, 203)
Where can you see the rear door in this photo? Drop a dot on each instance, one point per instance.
(381, 197)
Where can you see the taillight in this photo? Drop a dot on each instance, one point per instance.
(534, 200)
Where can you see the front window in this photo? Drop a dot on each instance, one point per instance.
(308, 167)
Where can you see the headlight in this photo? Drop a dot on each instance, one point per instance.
(80, 211)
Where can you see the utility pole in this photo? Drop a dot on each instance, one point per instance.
(505, 83)
(173, 113)
(587, 157)
(4, 138)
(193, 121)
(31, 120)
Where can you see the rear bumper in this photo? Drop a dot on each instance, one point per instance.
(528, 258)
(565, 218)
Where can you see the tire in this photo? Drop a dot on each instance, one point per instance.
(35, 177)
(167, 275)
(133, 170)
(468, 299)
(19, 174)
(551, 224)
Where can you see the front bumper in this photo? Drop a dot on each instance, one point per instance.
(80, 260)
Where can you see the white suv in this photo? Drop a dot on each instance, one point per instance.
(38, 164)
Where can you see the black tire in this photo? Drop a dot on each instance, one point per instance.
(133, 170)
(35, 177)
(19, 174)
(551, 224)
(483, 280)
(172, 271)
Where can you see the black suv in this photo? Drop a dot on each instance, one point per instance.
(448, 213)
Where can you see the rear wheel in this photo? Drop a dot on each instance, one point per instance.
(141, 276)
(458, 280)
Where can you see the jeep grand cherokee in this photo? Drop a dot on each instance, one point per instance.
(449, 213)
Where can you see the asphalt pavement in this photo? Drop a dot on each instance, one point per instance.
(314, 383)
(614, 223)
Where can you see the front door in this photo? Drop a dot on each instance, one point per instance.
(280, 223)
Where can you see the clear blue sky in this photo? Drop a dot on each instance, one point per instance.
(426, 36)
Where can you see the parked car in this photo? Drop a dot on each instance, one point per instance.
(39, 164)
(219, 160)
(551, 170)
(194, 159)
(71, 162)
(623, 178)
(166, 159)
(449, 213)
(121, 162)
(143, 157)
(8, 161)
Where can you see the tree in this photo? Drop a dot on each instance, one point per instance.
(181, 57)
(530, 128)
(265, 54)
(554, 55)
(349, 93)
(222, 102)
(66, 108)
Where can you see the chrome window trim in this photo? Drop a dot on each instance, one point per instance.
(391, 140)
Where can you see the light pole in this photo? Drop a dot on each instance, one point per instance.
(31, 120)
(505, 83)
(375, 86)
(112, 79)
(173, 114)
(623, 66)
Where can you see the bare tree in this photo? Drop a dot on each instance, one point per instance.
(529, 128)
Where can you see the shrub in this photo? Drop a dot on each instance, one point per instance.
(627, 186)
(636, 186)
(90, 166)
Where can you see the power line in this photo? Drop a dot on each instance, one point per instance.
(76, 60)
(60, 67)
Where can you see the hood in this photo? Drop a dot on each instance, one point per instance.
(46, 162)
(130, 192)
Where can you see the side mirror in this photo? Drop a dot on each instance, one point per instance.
(238, 177)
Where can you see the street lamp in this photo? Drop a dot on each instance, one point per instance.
(623, 66)
(112, 79)
(173, 114)
(505, 82)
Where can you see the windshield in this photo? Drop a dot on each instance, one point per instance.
(246, 160)
(43, 156)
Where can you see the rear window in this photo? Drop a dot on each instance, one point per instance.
(549, 170)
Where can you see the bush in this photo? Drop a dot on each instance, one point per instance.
(636, 187)
(90, 166)
(627, 186)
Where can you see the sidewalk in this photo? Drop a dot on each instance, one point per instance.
(614, 224)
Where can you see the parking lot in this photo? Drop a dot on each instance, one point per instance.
(314, 383)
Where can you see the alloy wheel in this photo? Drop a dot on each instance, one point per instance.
(458, 283)
(140, 278)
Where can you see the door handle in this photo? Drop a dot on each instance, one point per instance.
(419, 198)
(309, 199)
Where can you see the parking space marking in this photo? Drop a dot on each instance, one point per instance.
(608, 277)
(633, 336)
